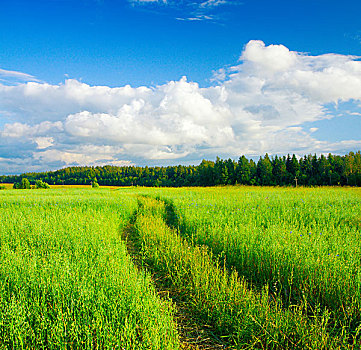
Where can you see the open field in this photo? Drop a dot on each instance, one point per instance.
(304, 244)
(265, 268)
(66, 280)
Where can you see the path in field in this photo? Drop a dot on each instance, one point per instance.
(215, 308)
(319, 279)
(193, 334)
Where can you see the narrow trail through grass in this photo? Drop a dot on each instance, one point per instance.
(207, 293)
(193, 334)
(318, 270)
(162, 269)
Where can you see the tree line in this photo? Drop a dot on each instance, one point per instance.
(24, 184)
(310, 170)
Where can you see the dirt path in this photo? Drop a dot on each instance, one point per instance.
(193, 334)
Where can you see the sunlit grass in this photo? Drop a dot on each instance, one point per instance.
(66, 280)
(242, 317)
(280, 266)
(304, 244)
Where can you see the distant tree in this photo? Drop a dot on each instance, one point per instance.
(41, 184)
(224, 176)
(95, 183)
(357, 163)
(295, 166)
(306, 171)
(206, 173)
(253, 171)
(243, 171)
(218, 168)
(264, 171)
(25, 184)
(315, 179)
(279, 171)
(232, 171)
(309, 170)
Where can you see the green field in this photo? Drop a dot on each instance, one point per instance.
(207, 268)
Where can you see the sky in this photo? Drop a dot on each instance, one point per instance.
(164, 82)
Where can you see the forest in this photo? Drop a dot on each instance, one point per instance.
(310, 170)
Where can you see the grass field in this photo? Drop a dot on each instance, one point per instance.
(303, 244)
(66, 280)
(262, 268)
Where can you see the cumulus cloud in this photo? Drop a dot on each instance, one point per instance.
(323, 79)
(44, 142)
(20, 130)
(257, 106)
(80, 156)
(272, 58)
(38, 101)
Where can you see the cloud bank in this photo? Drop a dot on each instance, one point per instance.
(257, 106)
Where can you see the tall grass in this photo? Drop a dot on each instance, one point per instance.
(265, 267)
(303, 243)
(242, 317)
(66, 280)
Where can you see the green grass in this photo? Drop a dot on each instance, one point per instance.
(241, 317)
(269, 268)
(304, 244)
(66, 280)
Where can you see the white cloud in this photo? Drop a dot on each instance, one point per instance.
(65, 157)
(272, 58)
(323, 79)
(20, 130)
(198, 17)
(17, 75)
(219, 75)
(82, 155)
(257, 106)
(181, 115)
(44, 142)
(213, 3)
(34, 102)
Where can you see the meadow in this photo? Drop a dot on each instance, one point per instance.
(250, 267)
(66, 281)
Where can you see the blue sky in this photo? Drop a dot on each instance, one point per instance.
(206, 78)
